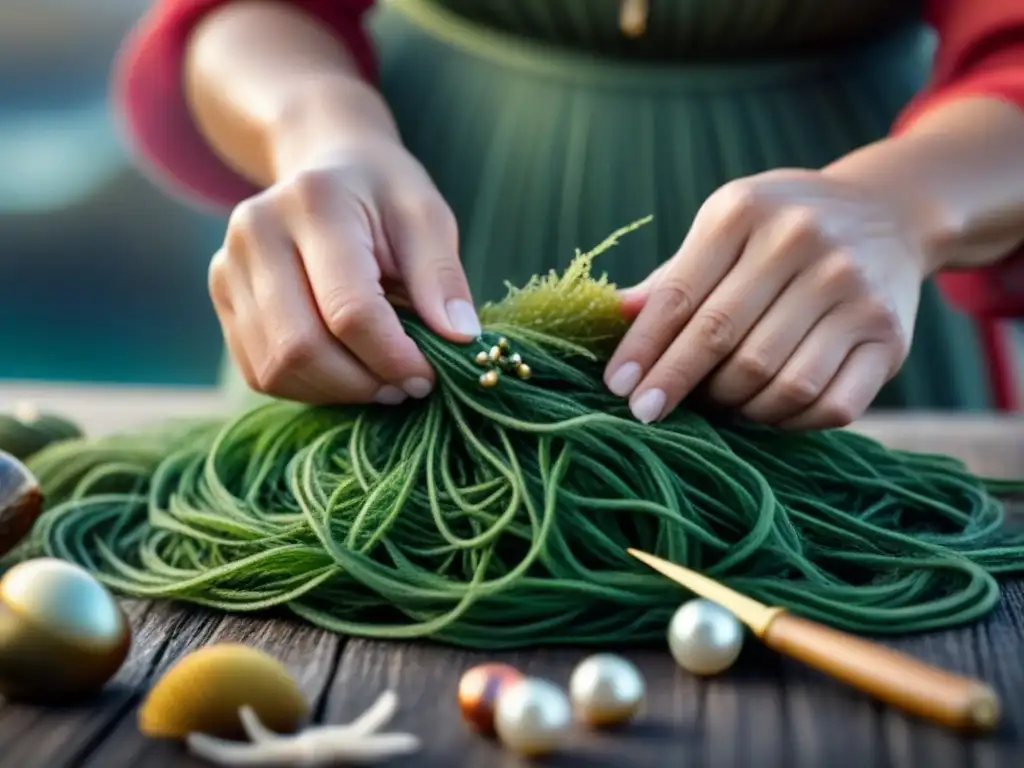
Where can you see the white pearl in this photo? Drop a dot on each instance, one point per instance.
(606, 689)
(705, 638)
(532, 717)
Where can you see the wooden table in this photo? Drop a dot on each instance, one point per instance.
(765, 713)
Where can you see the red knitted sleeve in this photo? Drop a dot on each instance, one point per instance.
(150, 102)
(980, 53)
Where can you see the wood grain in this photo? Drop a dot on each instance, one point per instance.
(767, 712)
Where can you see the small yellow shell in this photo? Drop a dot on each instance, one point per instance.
(205, 689)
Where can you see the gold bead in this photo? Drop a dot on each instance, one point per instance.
(494, 355)
(523, 371)
(482, 358)
(489, 379)
(515, 360)
(503, 344)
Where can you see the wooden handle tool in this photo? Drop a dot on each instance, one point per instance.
(887, 675)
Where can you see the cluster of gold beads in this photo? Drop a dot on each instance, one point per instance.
(500, 359)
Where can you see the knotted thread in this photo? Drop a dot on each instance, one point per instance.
(499, 518)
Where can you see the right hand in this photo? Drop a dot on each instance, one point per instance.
(299, 285)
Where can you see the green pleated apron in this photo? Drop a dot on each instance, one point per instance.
(545, 128)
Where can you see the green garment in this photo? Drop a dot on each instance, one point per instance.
(545, 128)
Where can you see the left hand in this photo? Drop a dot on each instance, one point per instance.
(793, 298)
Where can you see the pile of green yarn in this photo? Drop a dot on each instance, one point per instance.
(499, 516)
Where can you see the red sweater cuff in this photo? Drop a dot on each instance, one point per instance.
(150, 104)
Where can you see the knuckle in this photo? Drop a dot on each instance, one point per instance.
(835, 413)
(883, 323)
(797, 227)
(346, 316)
(313, 189)
(288, 354)
(841, 273)
(754, 365)
(880, 316)
(798, 390)
(734, 201)
(247, 224)
(431, 210)
(675, 299)
(716, 331)
(217, 278)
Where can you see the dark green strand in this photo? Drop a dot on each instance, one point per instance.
(497, 518)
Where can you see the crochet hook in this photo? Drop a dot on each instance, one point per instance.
(887, 675)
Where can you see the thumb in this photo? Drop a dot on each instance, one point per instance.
(426, 249)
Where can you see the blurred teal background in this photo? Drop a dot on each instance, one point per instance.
(102, 275)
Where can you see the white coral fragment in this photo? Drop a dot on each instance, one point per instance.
(357, 743)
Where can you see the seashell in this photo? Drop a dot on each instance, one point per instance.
(205, 689)
(21, 501)
(26, 431)
(63, 635)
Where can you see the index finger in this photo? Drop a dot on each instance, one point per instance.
(707, 254)
(345, 280)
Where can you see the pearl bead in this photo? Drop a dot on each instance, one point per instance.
(532, 717)
(606, 690)
(478, 692)
(705, 638)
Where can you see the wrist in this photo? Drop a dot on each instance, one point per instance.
(326, 116)
(927, 221)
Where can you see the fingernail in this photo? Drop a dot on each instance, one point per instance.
(463, 317)
(417, 387)
(625, 379)
(389, 395)
(648, 406)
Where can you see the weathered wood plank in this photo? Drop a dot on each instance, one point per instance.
(765, 712)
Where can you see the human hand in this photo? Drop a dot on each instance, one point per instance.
(792, 299)
(300, 283)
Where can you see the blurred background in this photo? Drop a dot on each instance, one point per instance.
(102, 275)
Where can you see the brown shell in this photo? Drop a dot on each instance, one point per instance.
(21, 501)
